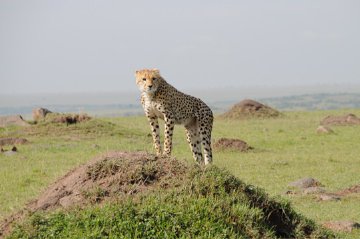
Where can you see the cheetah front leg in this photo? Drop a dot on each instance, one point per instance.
(168, 133)
(155, 132)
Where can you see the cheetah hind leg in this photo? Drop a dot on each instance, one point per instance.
(193, 138)
(205, 135)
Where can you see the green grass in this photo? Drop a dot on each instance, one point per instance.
(286, 149)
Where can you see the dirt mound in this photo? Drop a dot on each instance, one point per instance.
(12, 141)
(233, 144)
(107, 177)
(112, 174)
(12, 120)
(349, 119)
(65, 118)
(250, 109)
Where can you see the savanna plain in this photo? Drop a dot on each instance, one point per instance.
(285, 149)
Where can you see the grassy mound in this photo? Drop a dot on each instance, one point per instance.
(206, 203)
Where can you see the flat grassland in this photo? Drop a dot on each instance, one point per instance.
(285, 149)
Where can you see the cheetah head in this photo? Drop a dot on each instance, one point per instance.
(148, 80)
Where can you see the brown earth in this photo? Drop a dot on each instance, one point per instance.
(12, 141)
(349, 119)
(250, 109)
(233, 144)
(108, 177)
(12, 120)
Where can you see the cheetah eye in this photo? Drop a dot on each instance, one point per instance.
(154, 78)
(144, 79)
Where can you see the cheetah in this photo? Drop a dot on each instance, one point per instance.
(161, 100)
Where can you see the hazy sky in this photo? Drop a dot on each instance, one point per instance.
(89, 46)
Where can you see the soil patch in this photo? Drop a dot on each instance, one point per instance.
(12, 120)
(250, 109)
(349, 119)
(12, 141)
(233, 144)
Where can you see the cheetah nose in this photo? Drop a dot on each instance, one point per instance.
(150, 86)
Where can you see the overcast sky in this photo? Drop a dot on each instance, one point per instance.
(91, 46)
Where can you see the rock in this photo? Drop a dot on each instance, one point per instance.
(12, 120)
(342, 226)
(305, 183)
(324, 130)
(39, 113)
(329, 197)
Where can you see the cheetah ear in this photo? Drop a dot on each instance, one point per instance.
(156, 71)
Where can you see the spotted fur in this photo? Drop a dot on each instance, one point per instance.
(161, 100)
